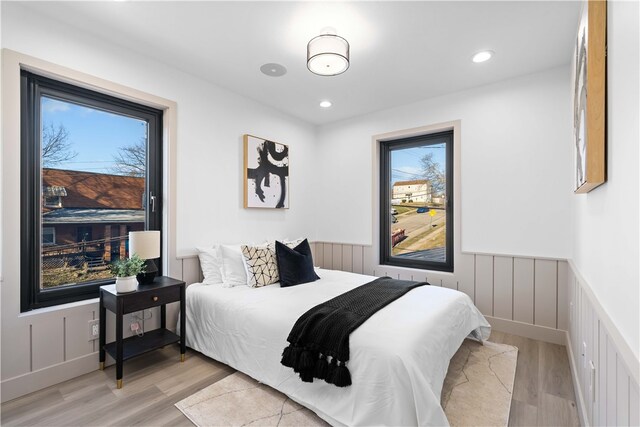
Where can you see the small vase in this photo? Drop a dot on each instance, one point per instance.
(126, 284)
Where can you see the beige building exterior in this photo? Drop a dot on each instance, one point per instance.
(415, 191)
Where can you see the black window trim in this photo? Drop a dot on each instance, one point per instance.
(32, 87)
(385, 208)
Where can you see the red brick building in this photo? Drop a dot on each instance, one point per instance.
(89, 215)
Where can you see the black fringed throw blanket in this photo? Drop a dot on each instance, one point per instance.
(319, 341)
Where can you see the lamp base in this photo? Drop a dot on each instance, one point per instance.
(151, 271)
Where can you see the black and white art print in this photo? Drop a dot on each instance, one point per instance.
(580, 103)
(266, 173)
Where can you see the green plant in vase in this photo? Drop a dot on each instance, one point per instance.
(125, 271)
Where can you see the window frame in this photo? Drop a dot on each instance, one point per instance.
(32, 88)
(386, 147)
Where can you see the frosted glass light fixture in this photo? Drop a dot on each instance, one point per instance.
(328, 54)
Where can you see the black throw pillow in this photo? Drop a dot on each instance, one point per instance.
(295, 265)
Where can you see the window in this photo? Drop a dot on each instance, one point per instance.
(85, 233)
(416, 189)
(48, 236)
(89, 164)
(53, 201)
(53, 196)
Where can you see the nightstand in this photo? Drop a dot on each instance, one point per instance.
(162, 291)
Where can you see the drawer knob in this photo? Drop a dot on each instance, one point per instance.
(155, 298)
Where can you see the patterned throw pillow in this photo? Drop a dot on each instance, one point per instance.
(261, 265)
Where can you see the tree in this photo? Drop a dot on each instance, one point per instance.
(131, 159)
(434, 173)
(56, 147)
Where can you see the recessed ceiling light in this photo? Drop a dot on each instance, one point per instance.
(273, 70)
(483, 56)
(325, 104)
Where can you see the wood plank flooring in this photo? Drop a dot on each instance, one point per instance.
(543, 391)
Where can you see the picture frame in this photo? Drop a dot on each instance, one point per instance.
(266, 173)
(589, 98)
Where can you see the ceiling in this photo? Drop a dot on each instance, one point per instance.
(401, 52)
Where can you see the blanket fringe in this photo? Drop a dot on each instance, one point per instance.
(321, 368)
(341, 376)
(310, 364)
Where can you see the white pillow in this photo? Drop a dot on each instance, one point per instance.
(210, 263)
(233, 269)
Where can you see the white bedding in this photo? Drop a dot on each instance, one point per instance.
(399, 356)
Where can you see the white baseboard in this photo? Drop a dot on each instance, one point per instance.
(582, 411)
(51, 375)
(536, 332)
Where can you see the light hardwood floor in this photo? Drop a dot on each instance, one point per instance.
(543, 391)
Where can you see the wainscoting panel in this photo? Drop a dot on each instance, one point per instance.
(484, 284)
(604, 368)
(347, 257)
(634, 401)
(467, 277)
(523, 282)
(54, 346)
(503, 287)
(546, 292)
(563, 296)
(526, 290)
(357, 256)
(328, 255)
(76, 327)
(336, 250)
(191, 272)
(47, 343)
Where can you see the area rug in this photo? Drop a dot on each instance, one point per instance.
(477, 391)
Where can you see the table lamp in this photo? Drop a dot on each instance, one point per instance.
(145, 244)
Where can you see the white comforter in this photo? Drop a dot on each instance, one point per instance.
(399, 356)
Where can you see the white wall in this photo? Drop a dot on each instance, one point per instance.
(211, 122)
(605, 226)
(516, 166)
(50, 345)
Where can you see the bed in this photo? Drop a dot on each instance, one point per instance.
(399, 356)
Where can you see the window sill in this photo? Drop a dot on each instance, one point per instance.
(55, 308)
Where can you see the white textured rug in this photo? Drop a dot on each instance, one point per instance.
(477, 391)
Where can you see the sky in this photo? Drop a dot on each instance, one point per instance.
(406, 165)
(94, 134)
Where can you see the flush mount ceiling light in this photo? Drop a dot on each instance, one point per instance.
(325, 104)
(328, 54)
(483, 56)
(273, 70)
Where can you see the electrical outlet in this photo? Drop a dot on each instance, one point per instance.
(94, 329)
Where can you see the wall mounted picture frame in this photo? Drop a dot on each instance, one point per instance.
(266, 173)
(589, 97)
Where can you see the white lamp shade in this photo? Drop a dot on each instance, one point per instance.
(145, 244)
(328, 55)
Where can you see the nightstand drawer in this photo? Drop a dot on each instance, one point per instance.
(143, 300)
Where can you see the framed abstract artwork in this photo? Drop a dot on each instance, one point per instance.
(266, 173)
(589, 97)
